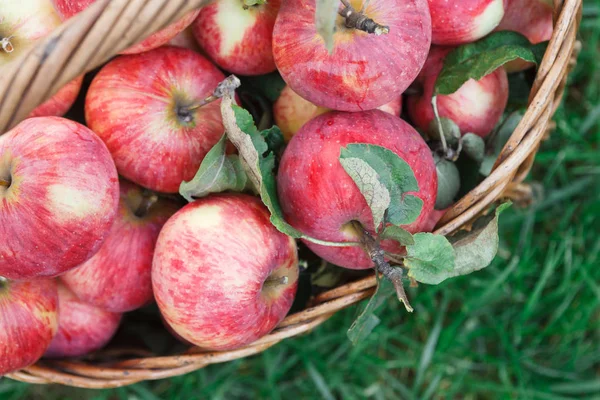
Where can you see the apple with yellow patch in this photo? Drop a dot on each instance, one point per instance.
(222, 275)
(458, 22)
(238, 36)
(22, 23)
(475, 107)
(149, 110)
(59, 193)
(291, 111)
(28, 322)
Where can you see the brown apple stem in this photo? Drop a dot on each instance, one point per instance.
(6, 44)
(358, 20)
(394, 274)
(4, 182)
(148, 200)
(275, 281)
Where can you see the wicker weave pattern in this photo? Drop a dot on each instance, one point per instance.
(109, 26)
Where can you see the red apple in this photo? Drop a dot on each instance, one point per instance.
(291, 111)
(223, 276)
(58, 197)
(68, 8)
(22, 23)
(117, 277)
(238, 37)
(143, 104)
(82, 327)
(320, 199)
(531, 18)
(28, 321)
(464, 21)
(476, 107)
(365, 70)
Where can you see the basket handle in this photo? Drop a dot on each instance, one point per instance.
(79, 45)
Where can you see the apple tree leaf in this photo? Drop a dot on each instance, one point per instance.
(368, 320)
(478, 59)
(430, 259)
(262, 163)
(475, 249)
(325, 16)
(398, 234)
(217, 173)
(396, 175)
(367, 180)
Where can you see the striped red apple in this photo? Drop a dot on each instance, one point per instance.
(58, 197)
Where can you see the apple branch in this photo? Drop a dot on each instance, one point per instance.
(439, 123)
(394, 274)
(358, 20)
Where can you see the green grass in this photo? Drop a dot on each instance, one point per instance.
(527, 327)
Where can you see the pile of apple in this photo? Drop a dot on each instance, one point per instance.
(91, 222)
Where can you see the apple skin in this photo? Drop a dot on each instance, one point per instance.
(476, 107)
(320, 199)
(187, 40)
(459, 22)
(28, 21)
(238, 40)
(531, 18)
(62, 198)
(364, 71)
(68, 8)
(211, 261)
(117, 278)
(291, 111)
(82, 327)
(134, 105)
(28, 322)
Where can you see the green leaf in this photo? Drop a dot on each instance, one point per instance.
(497, 140)
(367, 320)
(397, 177)
(430, 259)
(265, 164)
(478, 59)
(367, 180)
(398, 234)
(274, 139)
(475, 249)
(217, 173)
(325, 16)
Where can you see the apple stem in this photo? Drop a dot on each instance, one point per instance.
(275, 281)
(394, 274)
(330, 244)
(148, 200)
(4, 182)
(6, 45)
(439, 123)
(358, 20)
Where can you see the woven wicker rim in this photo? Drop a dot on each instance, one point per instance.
(110, 26)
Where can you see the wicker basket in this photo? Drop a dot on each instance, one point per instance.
(110, 26)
